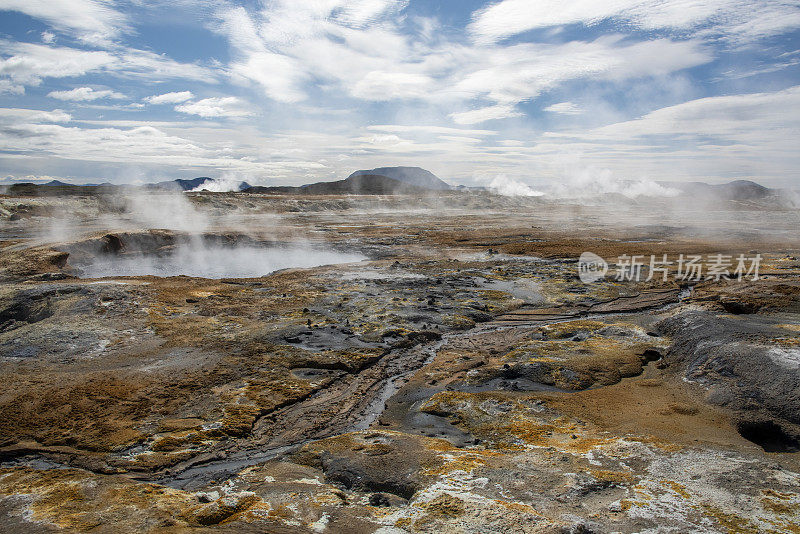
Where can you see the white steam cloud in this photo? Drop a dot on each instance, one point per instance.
(198, 258)
(167, 210)
(590, 183)
(225, 183)
(196, 249)
(503, 185)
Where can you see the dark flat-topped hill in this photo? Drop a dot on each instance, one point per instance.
(736, 190)
(415, 176)
(363, 184)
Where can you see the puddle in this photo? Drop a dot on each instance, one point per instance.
(524, 289)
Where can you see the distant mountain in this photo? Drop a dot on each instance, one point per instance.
(56, 188)
(59, 183)
(360, 184)
(736, 190)
(415, 176)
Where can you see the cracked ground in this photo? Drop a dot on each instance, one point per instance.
(458, 378)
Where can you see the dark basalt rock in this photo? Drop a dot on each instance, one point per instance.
(372, 462)
(26, 307)
(738, 307)
(768, 435)
(745, 371)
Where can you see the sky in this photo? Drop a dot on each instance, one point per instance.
(295, 91)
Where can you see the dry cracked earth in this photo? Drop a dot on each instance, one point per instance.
(414, 364)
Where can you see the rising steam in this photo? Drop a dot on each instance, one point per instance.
(583, 185)
(197, 258)
(592, 183)
(503, 185)
(163, 233)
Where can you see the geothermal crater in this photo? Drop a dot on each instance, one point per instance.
(162, 253)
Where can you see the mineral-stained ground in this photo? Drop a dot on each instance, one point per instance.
(460, 378)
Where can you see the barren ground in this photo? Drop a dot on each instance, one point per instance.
(461, 378)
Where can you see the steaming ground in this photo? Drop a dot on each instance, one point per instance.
(393, 364)
(214, 262)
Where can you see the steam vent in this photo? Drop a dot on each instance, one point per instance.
(400, 267)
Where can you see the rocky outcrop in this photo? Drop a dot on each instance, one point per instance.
(750, 366)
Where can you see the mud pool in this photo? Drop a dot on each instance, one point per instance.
(214, 261)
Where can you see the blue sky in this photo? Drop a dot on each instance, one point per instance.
(293, 91)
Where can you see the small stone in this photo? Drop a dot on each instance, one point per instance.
(378, 499)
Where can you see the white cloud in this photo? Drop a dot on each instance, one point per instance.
(33, 140)
(564, 108)
(9, 87)
(170, 98)
(429, 129)
(741, 118)
(291, 49)
(337, 54)
(512, 74)
(93, 21)
(736, 20)
(381, 85)
(475, 116)
(29, 64)
(748, 135)
(85, 94)
(279, 76)
(48, 37)
(144, 64)
(742, 136)
(10, 115)
(228, 106)
(363, 12)
(355, 46)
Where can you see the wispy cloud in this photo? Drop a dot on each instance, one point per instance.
(92, 21)
(170, 98)
(300, 91)
(475, 116)
(287, 50)
(755, 119)
(564, 108)
(734, 20)
(29, 64)
(228, 106)
(85, 94)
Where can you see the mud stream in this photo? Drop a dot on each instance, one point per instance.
(355, 402)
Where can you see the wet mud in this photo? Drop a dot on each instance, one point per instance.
(450, 374)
